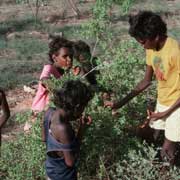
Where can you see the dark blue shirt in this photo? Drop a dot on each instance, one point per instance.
(56, 168)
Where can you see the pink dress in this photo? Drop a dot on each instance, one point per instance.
(42, 96)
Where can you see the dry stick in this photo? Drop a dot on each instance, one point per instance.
(37, 9)
(74, 8)
(108, 178)
(96, 67)
(35, 14)
(94, 48)
(29, 4)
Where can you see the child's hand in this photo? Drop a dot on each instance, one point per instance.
(76, 70)
(106, 96)
(86, 120)
(154, 116)
(115, 113)
(110, 104)
(146, 122)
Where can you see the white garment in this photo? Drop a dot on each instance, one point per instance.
(171, 124)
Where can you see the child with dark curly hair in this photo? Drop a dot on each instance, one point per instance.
(162, 59)
(60, 57)
(82, 54)
(62, 142)
(4, 111)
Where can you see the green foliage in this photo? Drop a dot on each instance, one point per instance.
(126, 5)
(24, 158)
(109, 150)
(139, 165)
(23, 117)
(54, 83)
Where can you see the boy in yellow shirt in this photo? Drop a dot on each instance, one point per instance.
(162, 59)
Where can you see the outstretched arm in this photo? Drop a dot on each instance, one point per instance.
(139, 88)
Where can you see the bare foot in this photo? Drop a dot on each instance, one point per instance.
(27, 127)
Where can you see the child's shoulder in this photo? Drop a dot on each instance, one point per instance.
(48, 66)
(173, 46)
(172, 42)
(60, 125)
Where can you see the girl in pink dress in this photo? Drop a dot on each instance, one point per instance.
(60, 57)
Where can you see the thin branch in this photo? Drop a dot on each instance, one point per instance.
(74, 8)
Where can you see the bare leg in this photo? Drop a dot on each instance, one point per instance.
(156, 134)
(168, 151)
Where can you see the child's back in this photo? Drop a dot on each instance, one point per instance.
(62, 142)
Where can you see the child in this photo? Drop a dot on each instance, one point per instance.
(5, 113)
(60, 57)
(162, 59)
(61, 141)
(83, 55)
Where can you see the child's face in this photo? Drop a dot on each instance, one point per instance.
(83, 56)
(148, 43)
(63, 59)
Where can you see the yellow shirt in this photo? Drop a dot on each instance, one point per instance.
(166, 66)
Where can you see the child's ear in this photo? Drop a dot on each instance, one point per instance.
(157, 38)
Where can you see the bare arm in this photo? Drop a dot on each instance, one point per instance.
(173, 107)
(5, 109)
(139, 88)
(69, 156)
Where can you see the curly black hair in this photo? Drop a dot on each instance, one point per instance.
(80, 47)
(56, 44)
(146, 25)
(72, 95)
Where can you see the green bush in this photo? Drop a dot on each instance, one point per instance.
(108, 150)
(24, 157)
